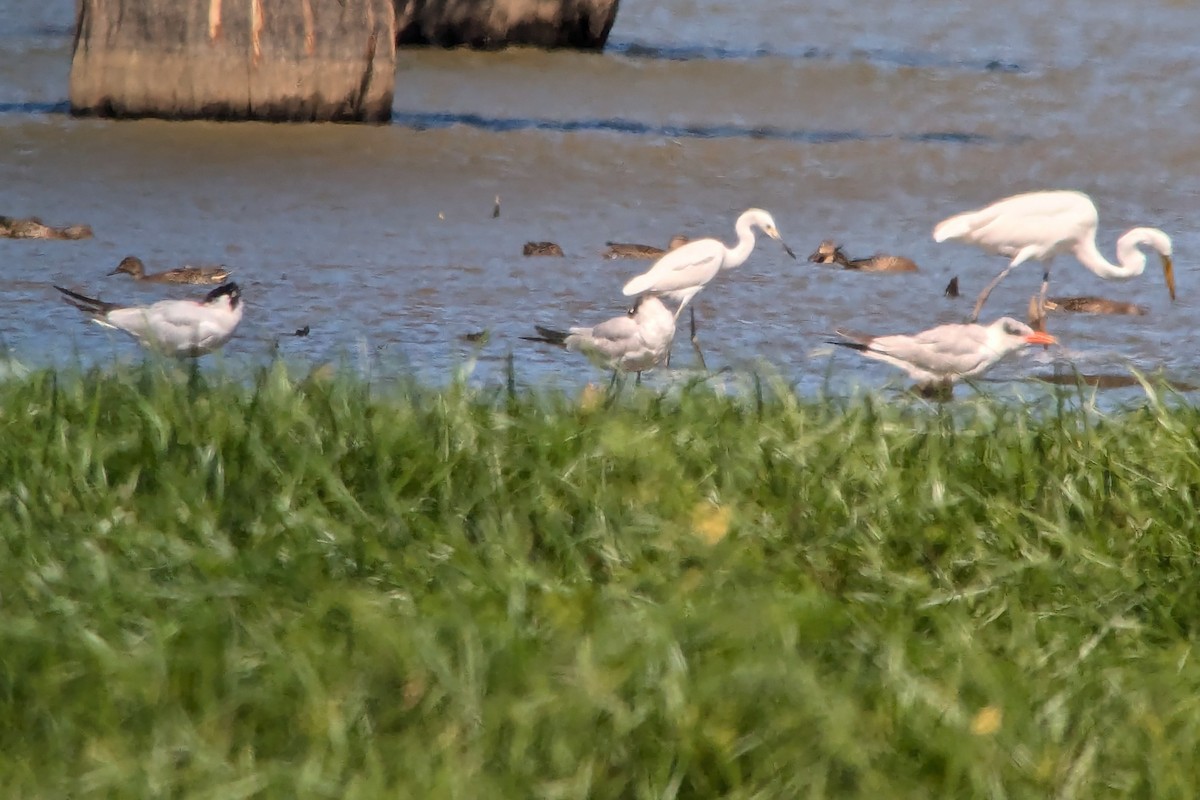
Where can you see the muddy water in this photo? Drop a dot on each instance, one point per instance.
(864, 122)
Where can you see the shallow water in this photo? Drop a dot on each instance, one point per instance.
(862, 122)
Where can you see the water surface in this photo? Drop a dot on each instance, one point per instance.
(863, 122)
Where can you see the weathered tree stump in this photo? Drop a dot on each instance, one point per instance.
(278, 60)
(492, 24)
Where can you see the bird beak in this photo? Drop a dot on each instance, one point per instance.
(788, 250)
(815, 257)
(1169, 274)
(1041, 337)
(117, 271)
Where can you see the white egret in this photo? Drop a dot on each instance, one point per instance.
(941, 356)
(634, 342)
(132, 265)
(1038, 226)
(683, 272)
(179, 328)
(829, 252)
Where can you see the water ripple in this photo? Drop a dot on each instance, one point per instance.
(897, 58)
(421, 120)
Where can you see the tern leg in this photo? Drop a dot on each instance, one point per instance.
(614, 389)
(983, 296)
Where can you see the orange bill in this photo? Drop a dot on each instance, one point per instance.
(1040, 337)
(1169, 274)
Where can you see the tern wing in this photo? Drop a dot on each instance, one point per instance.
(616, 329)
(175, 326)
(607, 343)
(946, 349)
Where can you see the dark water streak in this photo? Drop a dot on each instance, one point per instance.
(422, 121)
(893, 58)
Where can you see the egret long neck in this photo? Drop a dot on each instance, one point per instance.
(1132, 260)
(745, 244)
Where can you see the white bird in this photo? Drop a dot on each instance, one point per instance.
(940, 356)
(684, 271)
(179, 328)
(634, 342)
(1040, 225)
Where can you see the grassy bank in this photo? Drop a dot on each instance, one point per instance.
(297, 590)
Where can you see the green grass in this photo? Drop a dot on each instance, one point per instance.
(298, 589)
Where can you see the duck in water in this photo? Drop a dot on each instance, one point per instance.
(34, 228)
(1094, 305)
(1081, 305)
(630, 250)
(199, 276)
(542, 249)
(829, 252)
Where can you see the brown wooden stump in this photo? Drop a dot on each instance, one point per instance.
(492, 24)
(277, 60)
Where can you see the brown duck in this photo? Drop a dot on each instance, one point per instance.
(542, 249)
(34, 228)
(133, 266)
(1094, 305)
(629, 250)
(829, 252)
(1081, 305)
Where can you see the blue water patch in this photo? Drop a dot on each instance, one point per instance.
(61, 107)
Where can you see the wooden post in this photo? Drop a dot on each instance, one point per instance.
(490, 24)
(277, 60)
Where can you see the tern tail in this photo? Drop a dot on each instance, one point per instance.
(852, 339)
(88, 305)
(548, 335)
(859, 346)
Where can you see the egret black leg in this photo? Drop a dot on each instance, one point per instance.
(671, 346)
(1045, 286)
(987, 290)
(696, 341)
